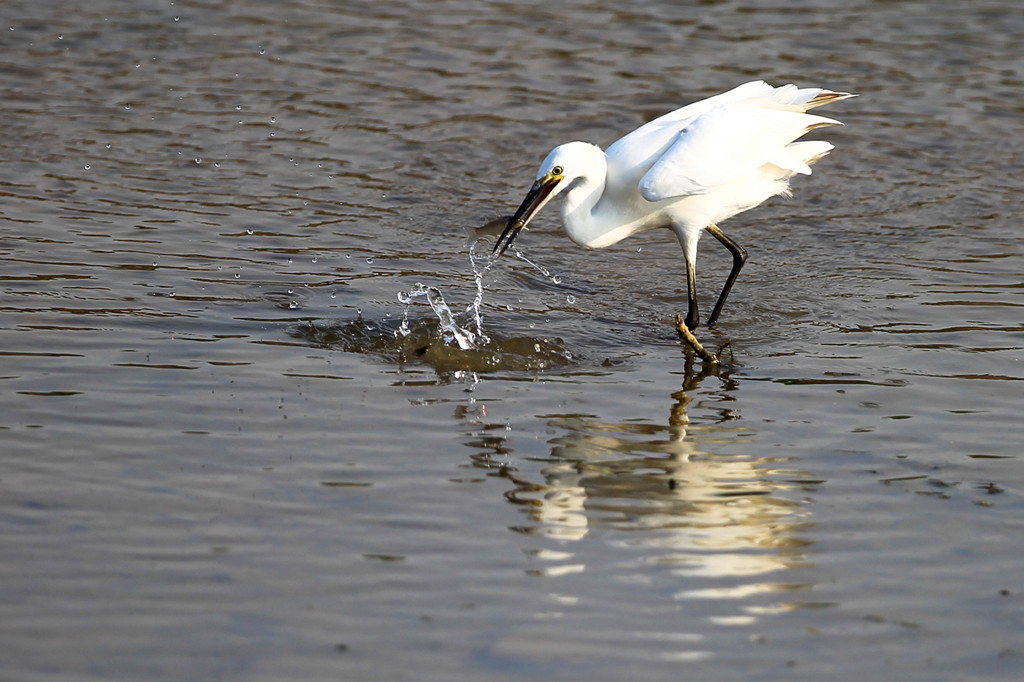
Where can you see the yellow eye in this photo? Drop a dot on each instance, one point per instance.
(557, 170)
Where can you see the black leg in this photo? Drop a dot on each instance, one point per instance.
(692, 314)
(739, 257)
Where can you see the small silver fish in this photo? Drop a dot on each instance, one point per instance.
(490, 229)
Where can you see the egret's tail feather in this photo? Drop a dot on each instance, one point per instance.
(826, 97)
(792, 98)
(797, 157)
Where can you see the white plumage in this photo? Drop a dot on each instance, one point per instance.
(687, 170)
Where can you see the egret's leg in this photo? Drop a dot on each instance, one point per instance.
(692, 314)
(739, 257)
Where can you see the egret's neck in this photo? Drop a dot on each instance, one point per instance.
(579, 217)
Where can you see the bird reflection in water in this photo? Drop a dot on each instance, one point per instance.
(704, 513)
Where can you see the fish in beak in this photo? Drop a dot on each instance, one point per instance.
(540, 194)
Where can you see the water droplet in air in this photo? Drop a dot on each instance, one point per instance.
(237, 275)
(88, 167)
(556, 279)
(238, 107)
(198, 160)
(570, 299)
(293, 305)
(273, 119)
(216, 164)
(177, 18)
(248, 230)
(60, 36)
(369, 261)
(107, 145)
(262, 50)
(313, 259)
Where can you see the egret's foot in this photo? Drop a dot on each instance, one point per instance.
(684, 331)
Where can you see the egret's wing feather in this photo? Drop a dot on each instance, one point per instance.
(724, 143)
(648, 138)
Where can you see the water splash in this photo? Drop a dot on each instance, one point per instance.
(450, 328)
(556, 279)
(465, 328)
(478, 275)
(468, 335)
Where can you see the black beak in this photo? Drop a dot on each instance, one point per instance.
(534, 201)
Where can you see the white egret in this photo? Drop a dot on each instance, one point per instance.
(687, 170)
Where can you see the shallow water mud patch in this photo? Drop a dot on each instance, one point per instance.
(427, 342)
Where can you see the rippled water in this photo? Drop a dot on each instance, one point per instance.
(219, 461)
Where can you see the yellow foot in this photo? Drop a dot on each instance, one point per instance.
(692, 342)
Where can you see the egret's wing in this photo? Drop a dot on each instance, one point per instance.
(635, 148)
(724, 143)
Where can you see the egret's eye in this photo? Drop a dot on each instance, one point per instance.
(557, 170)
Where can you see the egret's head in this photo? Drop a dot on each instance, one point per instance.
(558, 172)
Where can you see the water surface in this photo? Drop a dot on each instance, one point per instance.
(219, 463)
